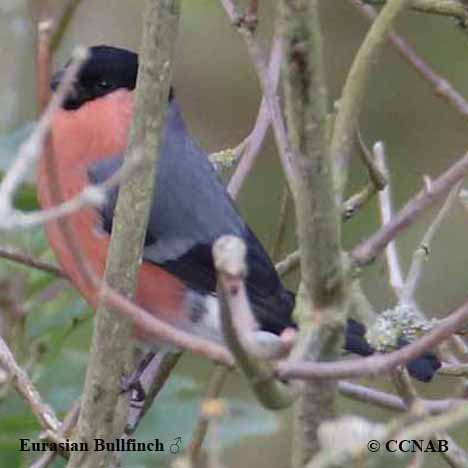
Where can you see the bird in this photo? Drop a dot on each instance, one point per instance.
(190, 210)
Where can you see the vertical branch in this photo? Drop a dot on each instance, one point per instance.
(322, 311)
(271, 99)
(386, 214)
(68, 13)
(43, 55)
(239, 325)
(104, 409)
(215, 387)
(254, 141)
(282, 223)
(355, 86)
(317, 214)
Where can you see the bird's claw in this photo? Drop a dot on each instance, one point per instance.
(132, 385)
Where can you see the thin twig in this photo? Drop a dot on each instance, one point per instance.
(250, 147)
(214, 410)
(421, 253)
(454, 456)
(215, 387)
(156, 328)
(441, 86)
(153, 380)
(454, 370)
(367, 250)
(251, 16)
(91, 195)
(238, 323)
(32, 148)
(405, 388)
(410, 283)
(165, 332)
(15, 255)
(402, 429)
(389, 401)
(68, 13)
(386, 214)
(43, 412)
(454, 8)
(43, 59)
(354, 89)
(258, 60)
(348, 209)
(66, 428)
(355, 202)
(377, 174)
(280, 231)
(288, 264)
(376, 364)
(378, 181)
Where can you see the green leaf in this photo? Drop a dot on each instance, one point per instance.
(26, 198)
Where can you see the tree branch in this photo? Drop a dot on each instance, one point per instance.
(153, 380)
(163, 331)
(389, 401)
(352, 96)
(441, 86)
(271, 98)
(15, 255)
(322, 310)
(67, 15)
(66, 428)
(104, 410)
(215, 387)
(454, 8)
(376, 364)
(356, 443)
(43, 412)
(31, 149)
(367, 250)
(250, 147)
(239, 325)
(396, 276)
(421, 253)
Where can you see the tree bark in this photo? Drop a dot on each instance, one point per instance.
(105, 409)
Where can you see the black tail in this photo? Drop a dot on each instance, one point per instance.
(274, 314)
(423, 368)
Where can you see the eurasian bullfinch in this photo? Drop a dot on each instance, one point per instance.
(191, 209)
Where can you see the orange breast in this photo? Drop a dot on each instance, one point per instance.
(79, 139)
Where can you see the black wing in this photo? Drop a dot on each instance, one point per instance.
(191, 210)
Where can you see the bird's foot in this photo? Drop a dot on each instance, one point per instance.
(132, 383)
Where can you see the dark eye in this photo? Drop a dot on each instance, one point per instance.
(103, 84)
